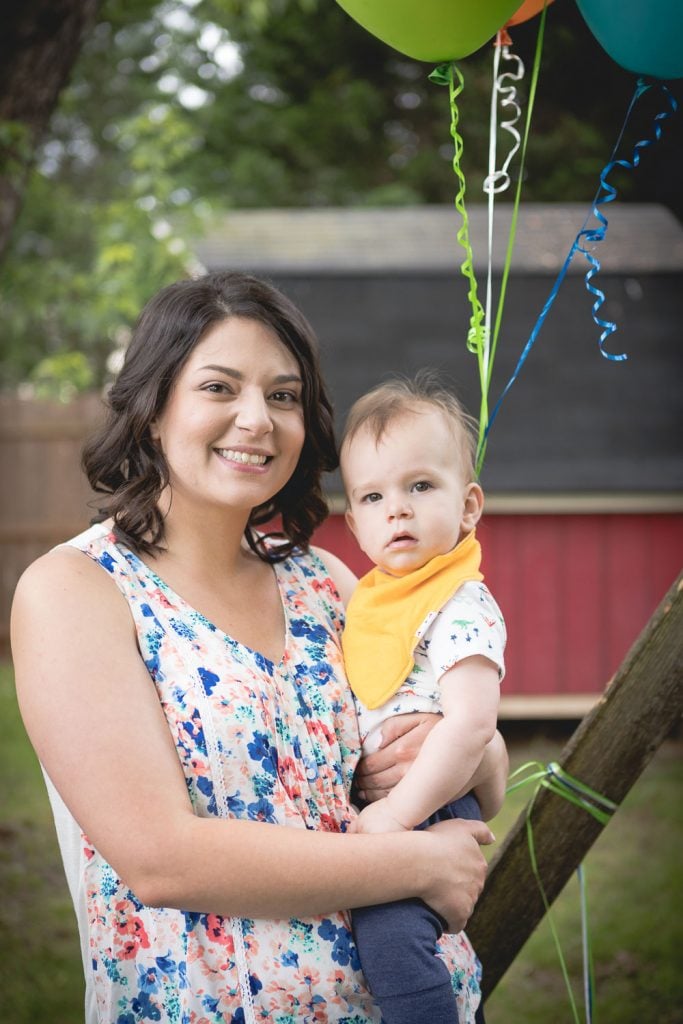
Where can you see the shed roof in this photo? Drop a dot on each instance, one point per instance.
(641, 238)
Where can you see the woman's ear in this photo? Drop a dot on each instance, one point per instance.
(472, 508)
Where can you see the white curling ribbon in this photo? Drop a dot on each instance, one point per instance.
(499, 180)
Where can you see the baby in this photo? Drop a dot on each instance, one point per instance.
(423, 633)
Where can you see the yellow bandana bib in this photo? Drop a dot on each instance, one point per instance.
(385, 619)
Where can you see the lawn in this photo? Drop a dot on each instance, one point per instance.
(634, 878)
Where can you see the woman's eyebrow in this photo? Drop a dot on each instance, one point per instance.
(228, 371)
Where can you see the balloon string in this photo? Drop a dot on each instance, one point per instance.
(446, 74)
(485, 425)
(640, 88)
(597, 234)
(554, 778)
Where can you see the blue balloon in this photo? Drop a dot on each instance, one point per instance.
(644, 36)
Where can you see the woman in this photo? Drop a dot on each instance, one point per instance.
(183, 687)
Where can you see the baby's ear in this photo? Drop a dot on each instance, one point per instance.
(473, 506)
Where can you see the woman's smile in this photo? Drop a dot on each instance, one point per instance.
(244, 457)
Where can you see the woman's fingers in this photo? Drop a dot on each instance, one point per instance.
(402, 737)
(458, 869)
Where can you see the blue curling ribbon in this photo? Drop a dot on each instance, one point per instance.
(595, 234)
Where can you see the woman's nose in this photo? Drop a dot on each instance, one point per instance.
(253, 414)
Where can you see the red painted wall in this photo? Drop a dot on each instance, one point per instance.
(575, 590)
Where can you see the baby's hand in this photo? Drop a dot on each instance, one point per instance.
(376, 817)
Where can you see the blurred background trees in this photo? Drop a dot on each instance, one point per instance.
(179, 110)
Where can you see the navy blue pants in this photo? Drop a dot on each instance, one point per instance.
(396, 944)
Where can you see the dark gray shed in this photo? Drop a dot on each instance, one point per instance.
(384, 291)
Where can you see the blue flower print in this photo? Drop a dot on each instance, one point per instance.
(107, 561)
(314, 632)
(236, 806)
(209, 680)
(254, 984)
(147, 979)
(261, 749)
(183, 629)
(205, 786)
(290, 959)
(344, 951)
(261, 810)
(143, 1006)
(170, 968)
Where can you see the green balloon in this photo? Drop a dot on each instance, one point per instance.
(432, 30)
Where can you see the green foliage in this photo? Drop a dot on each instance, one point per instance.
(62, 376)
(15, 148)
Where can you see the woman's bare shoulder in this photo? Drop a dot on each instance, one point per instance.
(63, 582)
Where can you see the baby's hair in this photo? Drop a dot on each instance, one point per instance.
(392, 399)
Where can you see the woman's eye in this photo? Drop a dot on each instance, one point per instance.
(285, 397)
(215, 387)
(422, 485)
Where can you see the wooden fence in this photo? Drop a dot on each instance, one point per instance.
(43, 493)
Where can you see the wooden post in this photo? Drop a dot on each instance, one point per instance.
(608, 752)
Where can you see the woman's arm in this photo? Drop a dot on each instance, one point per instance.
(95, 721)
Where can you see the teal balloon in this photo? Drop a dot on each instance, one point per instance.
(644, 36)
(432, 30)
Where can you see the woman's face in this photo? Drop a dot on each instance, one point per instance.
(233, 426)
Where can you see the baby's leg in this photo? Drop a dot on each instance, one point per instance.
(396, 944)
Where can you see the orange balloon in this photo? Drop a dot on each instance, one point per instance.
(529, 9)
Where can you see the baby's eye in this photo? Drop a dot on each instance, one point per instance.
(371, 498)
(421, 485)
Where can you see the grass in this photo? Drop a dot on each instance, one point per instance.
(634, 879)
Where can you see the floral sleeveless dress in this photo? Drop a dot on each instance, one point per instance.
(259, 741)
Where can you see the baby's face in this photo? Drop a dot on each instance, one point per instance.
(408, 500)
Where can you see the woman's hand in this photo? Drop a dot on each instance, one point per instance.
(402, 737)
(456, 869)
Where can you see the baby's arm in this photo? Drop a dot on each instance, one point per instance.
(450, 754)
(489, 781)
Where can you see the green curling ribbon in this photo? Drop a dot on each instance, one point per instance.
(446, 74)
(554, 778)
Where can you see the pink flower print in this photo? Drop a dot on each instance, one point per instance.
(308, 976)
(215, 929)
(328, 823)
(130, 927)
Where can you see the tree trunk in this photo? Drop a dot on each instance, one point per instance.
(39, 43)
(608, 752)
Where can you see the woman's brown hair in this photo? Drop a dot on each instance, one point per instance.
(122, 461)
